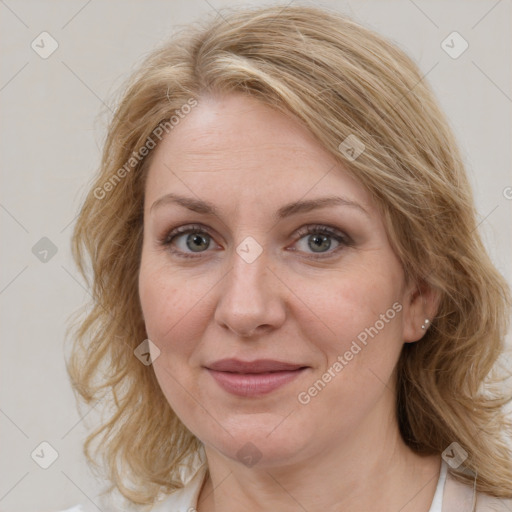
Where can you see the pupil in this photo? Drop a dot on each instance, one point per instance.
(196, 243)
(319, 240)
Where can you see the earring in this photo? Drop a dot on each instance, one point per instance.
(424, 326)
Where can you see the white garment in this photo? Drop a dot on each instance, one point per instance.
(185, 500)
(437, 501)
(450, 495)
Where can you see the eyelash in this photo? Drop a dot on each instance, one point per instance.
(316, 229)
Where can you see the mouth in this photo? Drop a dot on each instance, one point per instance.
(253, 378)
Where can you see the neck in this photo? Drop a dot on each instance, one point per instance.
(371, 469)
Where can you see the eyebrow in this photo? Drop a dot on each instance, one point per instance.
(206, 208)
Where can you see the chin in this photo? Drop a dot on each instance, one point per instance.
(259, 443)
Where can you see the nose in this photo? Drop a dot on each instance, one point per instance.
(251, 298)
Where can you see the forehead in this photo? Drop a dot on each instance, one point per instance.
(236, 147)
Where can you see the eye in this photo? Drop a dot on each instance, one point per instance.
(318, 239)
(197, 240)
(190, 241)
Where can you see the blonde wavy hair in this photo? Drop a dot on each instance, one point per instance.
(338, 78)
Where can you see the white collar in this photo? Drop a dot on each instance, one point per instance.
(437, 502)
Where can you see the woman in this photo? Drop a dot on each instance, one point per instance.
(293, 309)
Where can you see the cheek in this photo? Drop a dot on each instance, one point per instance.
(171, 308)
(165, 297)
(350, 304)
(176, 314)
(361, 322)
(360, 335)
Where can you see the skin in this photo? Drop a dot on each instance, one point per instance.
(342, 450)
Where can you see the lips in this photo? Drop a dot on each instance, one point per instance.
(253, 378)
(258, 366)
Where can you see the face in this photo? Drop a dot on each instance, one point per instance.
(230, 270)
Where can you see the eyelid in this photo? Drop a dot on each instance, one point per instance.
(323, 228)
(186, 228)
(170, 235)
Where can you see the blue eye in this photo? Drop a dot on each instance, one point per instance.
(198, 240)
(320, 237)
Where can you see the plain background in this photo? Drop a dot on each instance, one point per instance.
(52, 126)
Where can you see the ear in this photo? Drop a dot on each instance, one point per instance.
(421, 303)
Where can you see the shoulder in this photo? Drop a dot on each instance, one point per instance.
(461, 497)
(192, 474)
(80, 507)
(181, 500)
(184, 499)
(486, 503)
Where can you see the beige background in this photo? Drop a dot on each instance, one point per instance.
(52, 124)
